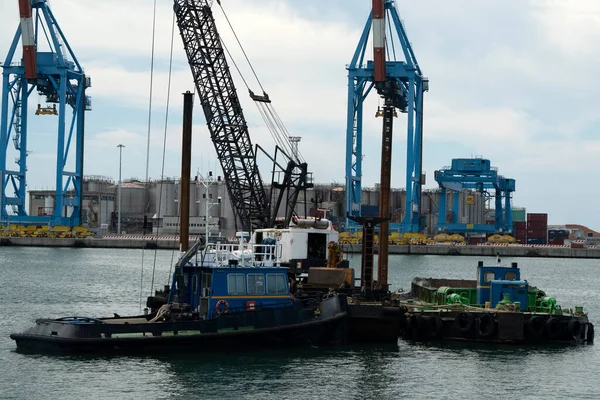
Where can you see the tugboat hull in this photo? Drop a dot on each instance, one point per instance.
(292, 326)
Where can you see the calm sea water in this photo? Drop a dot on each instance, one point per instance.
(44, 282)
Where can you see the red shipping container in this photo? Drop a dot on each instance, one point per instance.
(537, 217)
(536, 235)
(520, 225)
(557, 241)
(537, 225)
(537, 232)
(537, 229)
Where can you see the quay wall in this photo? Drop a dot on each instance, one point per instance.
(172, 243)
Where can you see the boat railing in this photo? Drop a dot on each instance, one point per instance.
(246, 255)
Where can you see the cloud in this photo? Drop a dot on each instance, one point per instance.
(512, 81)
(571, 26)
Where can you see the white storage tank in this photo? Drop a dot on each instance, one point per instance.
(167, 198)
(49, 205)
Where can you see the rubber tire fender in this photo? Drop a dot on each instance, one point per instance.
(574, 327)
(553, 328)
(535, 326)
(438, 327)
(419, 327)
(464, 321)
(486, 325)
(428, 330)
(590, 333)
(408, 328)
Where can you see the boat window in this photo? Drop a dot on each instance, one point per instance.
(276, 284)
(236, 284)
(256, 284)
(510, 276)
(489, 276)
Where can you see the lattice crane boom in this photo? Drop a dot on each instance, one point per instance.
(252, 206)
(223, 112)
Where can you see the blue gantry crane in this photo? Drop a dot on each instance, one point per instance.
(396, 76)
(475, 174)
(49, 67)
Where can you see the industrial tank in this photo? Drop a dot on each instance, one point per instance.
(48, 205)
(133, 197)
(107, 205)
(167, 198)
(97, 183)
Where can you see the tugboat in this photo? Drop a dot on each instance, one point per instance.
(222, 296)
(235, 302)
(498, 307)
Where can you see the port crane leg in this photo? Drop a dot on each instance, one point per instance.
(57, 76)
(401, 84)
(442, 208)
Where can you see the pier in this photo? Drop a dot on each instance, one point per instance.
(172, 243)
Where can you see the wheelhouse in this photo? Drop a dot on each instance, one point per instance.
(494, 282)
(228, 280)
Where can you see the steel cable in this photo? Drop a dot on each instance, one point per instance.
(148, 141)
(276, 125)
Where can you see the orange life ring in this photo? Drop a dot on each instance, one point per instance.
(218, 308)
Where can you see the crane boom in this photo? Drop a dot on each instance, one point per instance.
(224, 117)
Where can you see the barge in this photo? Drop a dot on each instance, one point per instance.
(498, 307)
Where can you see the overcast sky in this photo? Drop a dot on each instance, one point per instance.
(514, 81)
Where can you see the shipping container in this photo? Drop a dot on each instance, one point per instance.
(536, 240)
(537, 224)
(557, 241)
(558, 234)
(537, 217)
(544, 238)
(519, 214)
(520, 224)
(537, 232)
